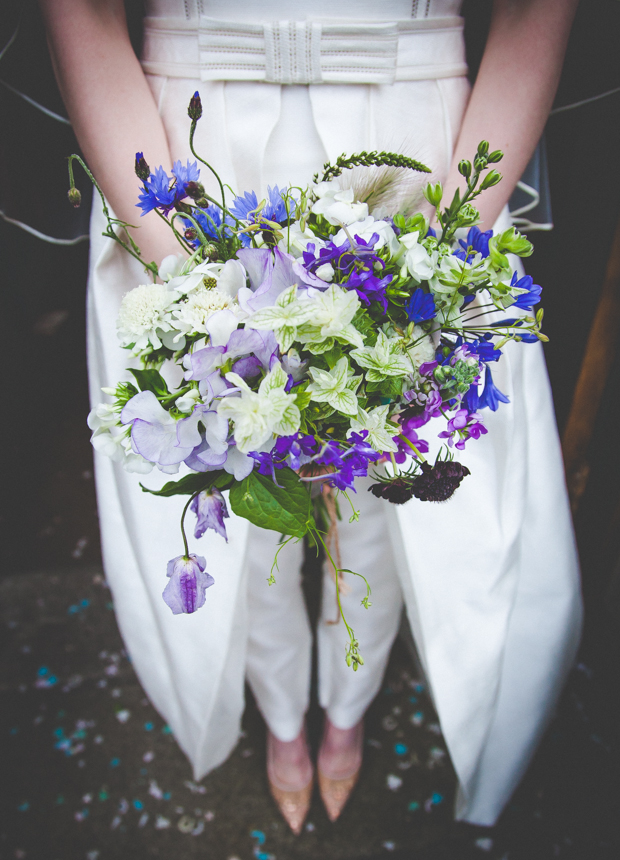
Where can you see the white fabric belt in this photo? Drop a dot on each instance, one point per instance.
(305, 52)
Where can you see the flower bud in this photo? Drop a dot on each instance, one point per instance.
(495, 156)
(195, 107)
(194, 190)
(465, 168)
(492, 178)
(75, 198)
(483, 147)
(190, 234)
(433, 193)
(480, 162)
(143, 171)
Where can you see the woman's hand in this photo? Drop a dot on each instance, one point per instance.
(513, 93)
(111, 107)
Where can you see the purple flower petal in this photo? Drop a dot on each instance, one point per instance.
(185, 592)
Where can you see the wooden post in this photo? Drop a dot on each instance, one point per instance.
(597, 361)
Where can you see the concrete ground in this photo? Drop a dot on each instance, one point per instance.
(91, 771)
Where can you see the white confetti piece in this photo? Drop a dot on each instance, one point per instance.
(161, 823)
(393, 782)
(123, 716)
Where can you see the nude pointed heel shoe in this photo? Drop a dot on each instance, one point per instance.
(292, 802)
(336, 785)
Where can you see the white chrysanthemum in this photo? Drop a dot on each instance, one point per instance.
(193, 315)
(145, 315)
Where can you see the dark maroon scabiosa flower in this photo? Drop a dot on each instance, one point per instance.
(437, 483)
(397, 490)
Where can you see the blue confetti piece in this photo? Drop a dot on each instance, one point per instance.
(260, 855)
(437, 798)
(259, 836)
(413, 806)
(42, 672)
(413, 700)
(148, 727)
(419, 688)
(143, 771)
(137, 804)
(60, 715)
(59, 733)
(400, 749)
(73, 609)
(14, 730)
(84, 603)
(79, 734)
(166, 730)
(24, 807)
(109, 605)
(60, 800)
(115, 762)
(166, 795)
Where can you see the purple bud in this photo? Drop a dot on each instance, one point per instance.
(195, 107)
(185, 593)
(143, 171)
(211, 511)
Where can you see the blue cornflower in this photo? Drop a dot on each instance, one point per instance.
(157, 193)
(421, 306)
(525, 301)
(491, 395)
(183, 175)
(477, 240)
(210, 223)
(245, 208)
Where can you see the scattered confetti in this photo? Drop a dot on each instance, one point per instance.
(485, 844)
(310, 827)
(401, 749)
(417, 719)
(413, 806)
(161, 823)
(389, 846)
(123, 716)
(393, 782)
(194, 787)
(148, 756)
(389, 723)
(143, 819)
(186, 824)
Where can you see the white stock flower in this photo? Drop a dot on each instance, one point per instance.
(187, 401)
(325, 272)
(295, 240)
(380, 432)
(257, 415)
(228, 277)
(192, 315)
(337, 206)
(383, 359)
(365, 230)
(102, 417)
(418, 262)
(336, 387)
(145, 315)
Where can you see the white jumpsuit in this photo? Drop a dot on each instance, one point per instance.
(490, 579)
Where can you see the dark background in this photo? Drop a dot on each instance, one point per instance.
(49, 521)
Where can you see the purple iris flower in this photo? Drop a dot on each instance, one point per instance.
(421, 306)
(211, 511)
(491, 395)
(477, 240)
(526, 301)
(185, 592)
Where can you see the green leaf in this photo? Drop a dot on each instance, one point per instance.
(190, 484)
(150, 380)
(283, 509)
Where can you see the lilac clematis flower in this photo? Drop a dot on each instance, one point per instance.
(211, 511)
(185, 592)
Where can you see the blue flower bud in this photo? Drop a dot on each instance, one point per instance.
(143, 171)
(195, 107)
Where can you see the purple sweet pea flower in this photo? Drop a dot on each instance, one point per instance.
(270, 273)
(154, 430)
(463, 426)
(211, 511)
(185, 592)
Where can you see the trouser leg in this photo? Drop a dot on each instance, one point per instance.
(280, 642)
(366, 548)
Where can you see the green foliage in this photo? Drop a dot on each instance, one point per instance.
(150, 380)
(369, 159)
(194, 483)
(285, 509)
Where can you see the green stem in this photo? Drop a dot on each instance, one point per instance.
(189, 501)
(411, 445)
(192, 131)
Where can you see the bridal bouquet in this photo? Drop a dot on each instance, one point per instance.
(307, 339)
